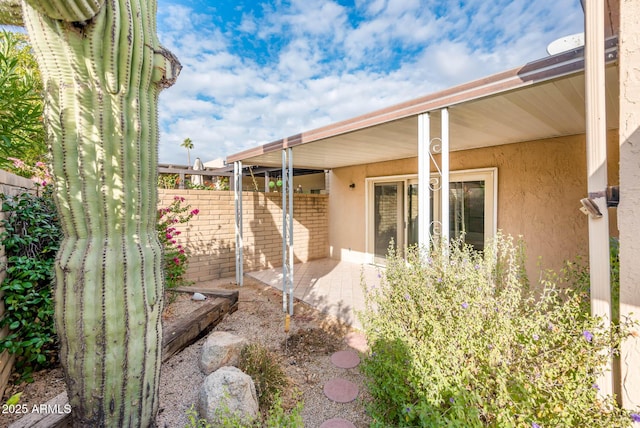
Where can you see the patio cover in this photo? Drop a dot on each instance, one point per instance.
(542, 99)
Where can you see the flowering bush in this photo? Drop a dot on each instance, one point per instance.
(458, 341)
(175, 255)
(39, 173)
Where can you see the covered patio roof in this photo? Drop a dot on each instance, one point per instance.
(542, 99)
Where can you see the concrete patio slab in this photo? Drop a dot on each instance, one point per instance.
(331, 286)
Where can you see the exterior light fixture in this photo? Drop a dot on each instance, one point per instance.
(611, 195)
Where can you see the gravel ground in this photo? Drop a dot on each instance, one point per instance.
(304, 353)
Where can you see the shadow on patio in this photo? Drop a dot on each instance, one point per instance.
(331, 286)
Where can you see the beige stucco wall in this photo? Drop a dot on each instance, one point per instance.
(347, 210)
(629, 211)
(540, 185)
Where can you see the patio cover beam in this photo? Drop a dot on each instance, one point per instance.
(237, 194)
(596, 136)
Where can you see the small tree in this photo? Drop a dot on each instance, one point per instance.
(188, 144)
(21, 104)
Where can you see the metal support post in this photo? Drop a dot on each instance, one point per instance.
(237, 193)
(287, 231)
(424, 140)
(444, 185)
(290, 213)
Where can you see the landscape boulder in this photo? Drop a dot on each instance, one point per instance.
(228, 392)
(221, 349)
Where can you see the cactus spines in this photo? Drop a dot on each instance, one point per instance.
(103, 69)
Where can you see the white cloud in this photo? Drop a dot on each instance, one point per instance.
(320, 65)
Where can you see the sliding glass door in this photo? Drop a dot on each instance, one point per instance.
(388, 214)
(393, 210)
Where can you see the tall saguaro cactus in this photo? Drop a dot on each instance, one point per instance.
(102, 68)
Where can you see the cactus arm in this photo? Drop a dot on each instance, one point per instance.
(67, 10)
(166, 67)
(102, 80)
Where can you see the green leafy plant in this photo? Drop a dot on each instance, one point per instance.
(277, 417)
(280, 417)
(190, 185)
(31, 238)
(21, 104)
(194, 420)
(614, 263)
(176, 260)
(219, 183)
(458, 341)
(265, 370)
(168, 181)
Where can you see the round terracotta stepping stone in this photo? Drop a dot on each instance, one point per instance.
(341, 390)
(345, 359)
(357, 341)
(337, 423)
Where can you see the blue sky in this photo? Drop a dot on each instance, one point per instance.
(256, 71)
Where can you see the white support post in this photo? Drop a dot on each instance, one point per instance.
(424, 141)
(444, 170)
(237, 193)
(597, 172)
(287, 231)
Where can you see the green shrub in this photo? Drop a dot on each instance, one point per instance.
(168, 181)
(21, 104)
(614, 263)
(31, 239)
(265, 370)
(175, 255)
(458, 341)
(277, 417)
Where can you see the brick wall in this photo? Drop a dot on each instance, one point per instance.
(210, 236)
(10, 185)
